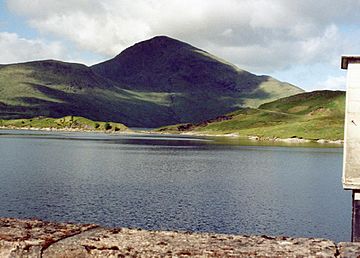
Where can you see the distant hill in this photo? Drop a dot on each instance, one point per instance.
(312, 115)
(156, 82)
(63, 123)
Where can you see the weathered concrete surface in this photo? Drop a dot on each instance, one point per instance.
(27, 238)
(34, 238)
(348, 249)
(130, 242)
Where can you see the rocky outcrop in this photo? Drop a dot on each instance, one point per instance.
(34, 238)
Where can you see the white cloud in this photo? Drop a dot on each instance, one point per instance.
(259, 35)
(332, 83)
(16, 49)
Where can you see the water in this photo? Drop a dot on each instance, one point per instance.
(174, 183)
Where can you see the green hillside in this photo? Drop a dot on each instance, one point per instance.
(312, 115)
(68, 122)
(156, 82)
(56, 89)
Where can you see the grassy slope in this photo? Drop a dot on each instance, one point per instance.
(74, 122)
(314, 115)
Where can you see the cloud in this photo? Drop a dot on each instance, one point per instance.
(282, 54)
(259, 35)
(16, 49)
(332, 83)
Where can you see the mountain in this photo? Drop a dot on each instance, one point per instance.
(156, 82)
(196, 84)
(312, 115)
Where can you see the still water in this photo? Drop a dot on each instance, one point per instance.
(174, 183)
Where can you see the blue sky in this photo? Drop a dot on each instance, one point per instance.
(11, 22)
(300, 42)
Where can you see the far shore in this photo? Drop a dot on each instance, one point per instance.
(132, 132)
(268, 139)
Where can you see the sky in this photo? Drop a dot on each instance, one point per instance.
(298, 41)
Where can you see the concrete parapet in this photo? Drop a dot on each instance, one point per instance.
(35, 238)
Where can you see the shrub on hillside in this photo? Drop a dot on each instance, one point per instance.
(107, 126)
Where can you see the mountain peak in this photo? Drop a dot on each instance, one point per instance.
(149, 63)
(162, 38)
(154, 47)
(163, 42)
(164, 64)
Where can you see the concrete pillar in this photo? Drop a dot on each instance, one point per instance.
(355, 234)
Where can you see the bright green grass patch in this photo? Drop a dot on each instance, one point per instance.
(312, 129)
(313, 115)
(73, 122)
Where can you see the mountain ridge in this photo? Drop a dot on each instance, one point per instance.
(153, 83)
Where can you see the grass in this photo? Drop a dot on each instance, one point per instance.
(73, 122)
(314, 115)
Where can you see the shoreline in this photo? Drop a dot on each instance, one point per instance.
(51, 129)
(266, 139)
(132, 132)
(37, 238)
